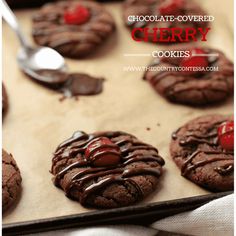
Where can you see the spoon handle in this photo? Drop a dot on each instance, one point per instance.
(10, 18)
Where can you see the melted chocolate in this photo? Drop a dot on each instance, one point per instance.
(194, 139)
(82, 84)
(71, 84)
(53, 77)
(119, 173)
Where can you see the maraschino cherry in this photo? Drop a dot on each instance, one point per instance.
(77, 15)
(102, 152)
(194, 61)
(171, 7)
(226, 135)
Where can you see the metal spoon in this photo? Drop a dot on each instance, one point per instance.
(33, 61)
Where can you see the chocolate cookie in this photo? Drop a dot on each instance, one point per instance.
(157, 8)
(188, 80)
(74, 28)
(106, 169)
(4, 100)
(11, 180)
(204, 151)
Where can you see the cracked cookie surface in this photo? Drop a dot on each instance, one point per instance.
(106, 169)
(11, 180)
(196, 151)
(196, 89)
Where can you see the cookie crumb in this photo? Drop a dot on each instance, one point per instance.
(76, 98)
(62, 98)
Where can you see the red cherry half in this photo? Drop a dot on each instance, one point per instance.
(194, 61)
(102, 152)
(226, 135)
(171, 7)
(76, 16)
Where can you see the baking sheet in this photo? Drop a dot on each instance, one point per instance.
(37, 121)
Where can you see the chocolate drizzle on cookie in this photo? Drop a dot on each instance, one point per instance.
(224, 170)
(194, 89)
(189, 166)
(72, 40)
(88, 179)
(204, 143)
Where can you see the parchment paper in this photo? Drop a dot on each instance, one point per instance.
(37, 122)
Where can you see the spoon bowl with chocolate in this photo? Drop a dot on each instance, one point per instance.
(34, 60)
